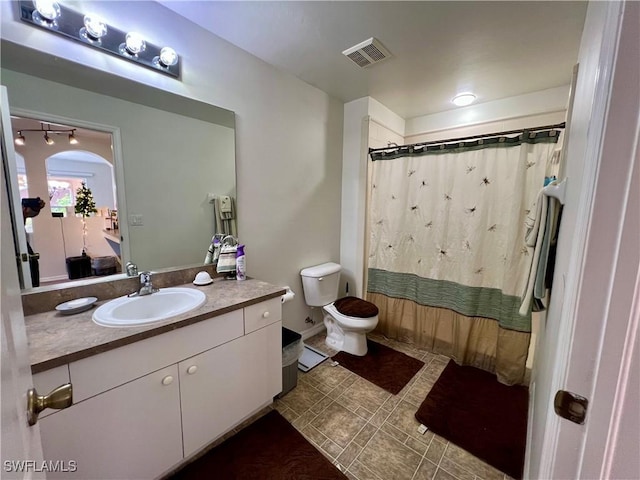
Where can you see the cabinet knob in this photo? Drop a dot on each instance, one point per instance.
(192, 369)
(265, 315)
(168, 380)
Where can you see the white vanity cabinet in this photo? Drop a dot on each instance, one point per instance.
(132, 431)
(143, 407)
(223, 385)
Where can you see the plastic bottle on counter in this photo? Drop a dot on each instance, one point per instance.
(241, 272)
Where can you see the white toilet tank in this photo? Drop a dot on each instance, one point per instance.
(321, 284)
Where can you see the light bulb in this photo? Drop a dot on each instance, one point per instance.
(463, 99)
(48, 140)
(72, 139)
(47, 9)
(20, 140)
(46, 13)
(168, 56)
(94, 28)
(134, 43)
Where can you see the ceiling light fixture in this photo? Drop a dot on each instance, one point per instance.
(463, 99)
(91, 30)
(72, 138)
(20, 140)
(47, 139)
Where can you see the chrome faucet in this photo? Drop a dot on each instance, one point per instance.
(146, 287)
(131, 269)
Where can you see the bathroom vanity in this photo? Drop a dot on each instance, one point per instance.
(145, 398)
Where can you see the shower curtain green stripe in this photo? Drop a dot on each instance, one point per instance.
(469, 301)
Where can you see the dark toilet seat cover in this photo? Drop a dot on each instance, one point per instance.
(355, 307)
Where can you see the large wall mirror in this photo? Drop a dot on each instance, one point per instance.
(168, 157)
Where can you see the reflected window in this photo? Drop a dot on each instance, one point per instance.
(62, 193)
(23, 185)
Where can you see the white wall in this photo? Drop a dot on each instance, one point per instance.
(357, 116)
(506, 111)
(288, 136)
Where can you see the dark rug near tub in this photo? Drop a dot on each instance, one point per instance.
(269, 448)
(471, 409)
(382, 366)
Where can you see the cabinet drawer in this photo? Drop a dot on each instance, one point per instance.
(101, 372)
(48, 380)
(262, 314)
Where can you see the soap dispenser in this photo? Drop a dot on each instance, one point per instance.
(241, 272)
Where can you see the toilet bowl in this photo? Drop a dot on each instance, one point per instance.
(349, 319)
(347, 333)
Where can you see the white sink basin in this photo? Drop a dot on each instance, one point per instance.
(159, 306)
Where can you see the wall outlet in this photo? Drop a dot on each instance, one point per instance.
(135, 220)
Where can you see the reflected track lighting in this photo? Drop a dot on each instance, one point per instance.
(91, 30)
(71, 132)
(20, 140)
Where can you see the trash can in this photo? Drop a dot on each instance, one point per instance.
(292, 348)
(79, 267)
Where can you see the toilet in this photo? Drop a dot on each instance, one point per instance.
(348, 319)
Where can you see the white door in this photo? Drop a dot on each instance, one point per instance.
(591, 340)
(11, 175)
(20, 442)
(13, 199)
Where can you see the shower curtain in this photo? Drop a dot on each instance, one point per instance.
(448, 262)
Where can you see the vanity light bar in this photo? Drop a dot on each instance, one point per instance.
(90, 30)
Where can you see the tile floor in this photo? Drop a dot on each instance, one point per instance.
(371, 434)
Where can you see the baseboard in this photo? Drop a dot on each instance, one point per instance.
(55, 278)
(310, 332)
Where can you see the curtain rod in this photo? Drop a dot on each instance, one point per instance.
(460, 139)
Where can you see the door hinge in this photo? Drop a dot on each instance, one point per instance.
(571, 406)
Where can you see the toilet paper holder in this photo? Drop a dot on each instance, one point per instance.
(288, 296)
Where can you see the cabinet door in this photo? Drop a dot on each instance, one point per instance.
(221, 387)
(132, 431)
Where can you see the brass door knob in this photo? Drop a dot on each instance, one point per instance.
(59, 398)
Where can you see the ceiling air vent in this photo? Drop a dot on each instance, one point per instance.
(367, 53)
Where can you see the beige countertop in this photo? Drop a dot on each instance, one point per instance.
(56, 339)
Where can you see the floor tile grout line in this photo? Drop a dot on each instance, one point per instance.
(429, 358)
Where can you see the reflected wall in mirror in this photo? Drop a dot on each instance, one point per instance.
(170, 153)
(55, 170)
